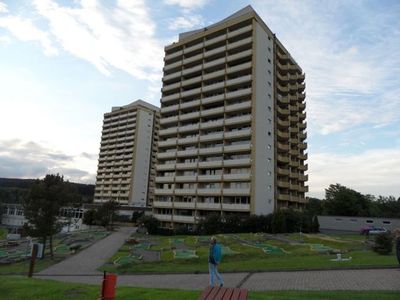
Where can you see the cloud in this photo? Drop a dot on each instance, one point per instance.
(21, 159)
(90, 156)
(5, 39)
(186, 22)
(3, 7)
(375, 171)
(349, 59)
(187, 4)
(121, 37)
(26, 31)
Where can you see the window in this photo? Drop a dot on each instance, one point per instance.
(386, 222)
(269, 60)
(338, 219)
(369, 221)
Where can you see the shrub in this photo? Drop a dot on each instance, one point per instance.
(383, 243)
(151, 224)
(211, 224)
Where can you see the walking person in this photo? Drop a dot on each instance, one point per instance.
(214, 259)
(397, 245)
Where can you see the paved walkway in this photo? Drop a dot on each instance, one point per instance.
(81, 268)
(88, 260)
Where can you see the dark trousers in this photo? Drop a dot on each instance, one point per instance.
(398, 249)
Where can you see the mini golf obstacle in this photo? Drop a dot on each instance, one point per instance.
(322, 248)
(203, 239)
(226, 250)
(268, 249)
(142, 246)
(123, 260)
(185, 254)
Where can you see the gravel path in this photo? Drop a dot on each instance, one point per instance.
(356, 280)
(88, 260)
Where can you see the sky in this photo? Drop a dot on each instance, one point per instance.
(63, 64)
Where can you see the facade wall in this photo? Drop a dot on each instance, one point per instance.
(263, 122)
(342, 223)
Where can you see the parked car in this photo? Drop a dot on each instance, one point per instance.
(378, 230)
(372, 230)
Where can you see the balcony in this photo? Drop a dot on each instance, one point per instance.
(213, 206)
(190, 152)
(184, 219)
(192, 48)
(303, 146)
(302, 116)
(168, 131)
(283, 184)
(303, 167)
(210, 164)
(283, 159)
(239, 31)
(186, 166)
(184, 205)
(209, 191)
(188, 140)
(161, 217)
(237, 162)
(197, 57)
(283, 135)
(172, 65)
(186, 178)
(165, 167)
(237, 133)
(303, 189)
(239, 43)
(214, 51)
(213, 99)
(209, 178)
(162, 204)
(236, 191)
(212, 124)
(215, 40)
(238, 106)
(303, 177)
(236, 207)
(238, 120)
(170, 97)
(214, 86)
(213, 63)
(170, 154)
(168, 120)
(284, 172)
(302, 136)
(283, 111)
(239, 176)
(187, 128)
(238, 93)
(212, 111)
(164, 179)
(213, 74)
(185, 191)
(164, 191)
(283, 147)
(237, 148)
(212, 150)
(303, 125)
(211, 137)
(294, 163)
(283, 123)
(240, 67)
(193, 103)
(191, 70)
(284, 197)
(173, 55)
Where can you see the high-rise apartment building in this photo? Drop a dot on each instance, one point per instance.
(232, 127)
(126, 169)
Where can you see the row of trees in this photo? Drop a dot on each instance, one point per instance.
(283, 221)
(343, 201)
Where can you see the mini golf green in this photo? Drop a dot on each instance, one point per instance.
(185, 254)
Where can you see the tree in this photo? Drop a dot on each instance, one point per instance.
(150, 222)
(343, 201)
(89, 217)
(106, 213)
(42, 207)
(383, 243)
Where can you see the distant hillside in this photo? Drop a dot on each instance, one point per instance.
(13, 190)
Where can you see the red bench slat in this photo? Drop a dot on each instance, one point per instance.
(243, 294)
(222, 293)
(205, 293)
(228, 294)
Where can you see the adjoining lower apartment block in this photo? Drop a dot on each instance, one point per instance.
(126, 169)
(232, 126)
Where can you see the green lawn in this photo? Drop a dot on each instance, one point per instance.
(15, 288)
(252, 258)
(21, 268)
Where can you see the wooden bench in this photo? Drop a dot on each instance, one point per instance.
(223, 293)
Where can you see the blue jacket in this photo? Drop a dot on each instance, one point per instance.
(215, 254)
